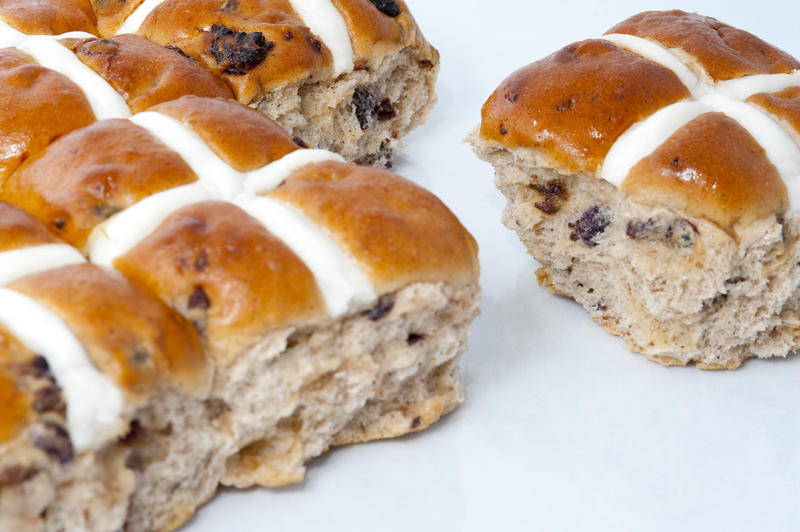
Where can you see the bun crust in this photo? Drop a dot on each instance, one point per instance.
(385, 222)
(201, 261)
(91, 174)
(143, 72)
(574, 104)
(148, 343)
(722, 51)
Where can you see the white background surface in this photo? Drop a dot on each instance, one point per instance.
(562, 429)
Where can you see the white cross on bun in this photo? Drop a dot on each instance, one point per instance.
(654, 173)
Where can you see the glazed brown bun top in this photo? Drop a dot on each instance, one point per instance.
(378, 29)
(250, 44)
(16, 394)
(723, 52)
(685, 174)
(39, 105)
(19, 229)
(210, 278)
(16, 404)
(399, 232)
(129, 335)
(575, 103)
(785, 106)
(229, 278)
(148, 344)
(243, 139)
(257, 45)
(144, 73)
(574, 109)
(91, 174)
(49, 17)
(226, 273)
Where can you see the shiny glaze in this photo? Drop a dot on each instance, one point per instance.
(88, 175)
(723, 51)
(575, 103)
(16, 411)
(375, 35)
(130, 336)
(295, 53)
(144, 73)
(38, 106)
(226, 273)
(20, 229)
(242, 137)
(785, 105)
(711, 168)
(111, 15)
(398, 232)
(49, 17)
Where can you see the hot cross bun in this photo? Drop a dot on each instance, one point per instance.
(654, 173)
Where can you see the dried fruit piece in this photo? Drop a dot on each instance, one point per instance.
(100, 47)
(365, 103)
(591, 224)
(16, 474)
(54, 440)
(48, 399)
(681, 233)
(238, 52)
(641, 229)
(385, 110)
(368, 108)
(554, 193)
(199, 299)
(382, 308)
(387, 7)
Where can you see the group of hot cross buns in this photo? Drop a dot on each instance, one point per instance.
(199, 288)
(191, 295)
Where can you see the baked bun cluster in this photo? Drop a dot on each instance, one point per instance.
(188, 297)
(352, 76)
(654, 173)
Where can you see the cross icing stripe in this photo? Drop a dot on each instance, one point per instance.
(135, 20)
(17, 263)
(656, 53)
(644, 137)
(325, 21)
(320, 16)
(342, 290)
(344, 286)
(95, 404)
(121, 232)
(49, 53)
(209, 167)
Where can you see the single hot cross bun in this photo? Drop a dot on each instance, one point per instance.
(654, 173)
